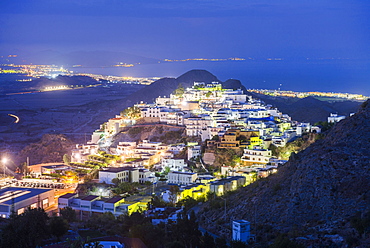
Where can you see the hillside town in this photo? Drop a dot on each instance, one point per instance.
(226, 142)
(212, 117)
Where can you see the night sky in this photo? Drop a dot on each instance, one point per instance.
(173, 29)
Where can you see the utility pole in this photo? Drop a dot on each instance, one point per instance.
(225, 205)
(4, 160)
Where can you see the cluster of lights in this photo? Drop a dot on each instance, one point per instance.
(203, 59)
(306, 94)
(36, 71)
(60, 87)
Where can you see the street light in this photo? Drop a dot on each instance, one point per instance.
(4, 160)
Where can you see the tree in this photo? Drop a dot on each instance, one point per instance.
(131, 112)
(25, 230)
(187, 230)
(361, 222)
(128, 221)
(116, 181)
(151, 235)
(221, 243)
(23, 168)
(207, 241)
(58, 227)
(325, 126)
(157, 202)
(180, 90)
(188, 202)
(283, 241)
(68, 214)
(174, 190)
(66, 159)
(239, 244)
(105, 221)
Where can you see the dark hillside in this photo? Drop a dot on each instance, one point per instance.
(161, 87)
(233, 84)
(316, 193)
(187, 79)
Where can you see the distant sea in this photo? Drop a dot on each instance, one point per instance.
(348, 76)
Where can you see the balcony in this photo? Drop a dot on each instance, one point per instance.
(96, 207)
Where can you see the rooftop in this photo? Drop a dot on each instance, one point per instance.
(114, 199)
(67, 196)
(119, 169)
(89, 197)
(11, 195)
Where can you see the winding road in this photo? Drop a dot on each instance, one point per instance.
(16, 118)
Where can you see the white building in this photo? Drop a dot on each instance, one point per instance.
(194, 152)
(303, 128)
(126, 148)
(172, 117)
(81, 153)
(124, 174)
(235, 96)
(176, 148)
(114, 124)
(175, 164)
(195, 125)
(258, 113)
(177, 177)
(335, 118)
(256, 156)
(97, 135)
(146, 175)
(151, 111)
(93, 203)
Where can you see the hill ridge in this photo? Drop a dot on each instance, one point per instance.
(317, 191)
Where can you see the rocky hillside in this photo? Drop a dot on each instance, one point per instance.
(154, 132)
(315, 194)
(50, 148)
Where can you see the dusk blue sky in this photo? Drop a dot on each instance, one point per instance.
(173, 29)
(190, 28)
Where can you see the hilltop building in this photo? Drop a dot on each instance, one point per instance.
(335, 118)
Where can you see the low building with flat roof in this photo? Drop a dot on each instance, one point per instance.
(18, 199)
(95, 204)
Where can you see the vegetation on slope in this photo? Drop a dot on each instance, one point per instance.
(316, 193)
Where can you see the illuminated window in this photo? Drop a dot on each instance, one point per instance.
(20, 211)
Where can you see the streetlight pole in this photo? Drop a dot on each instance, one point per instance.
(225, 205)
(4, 160)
